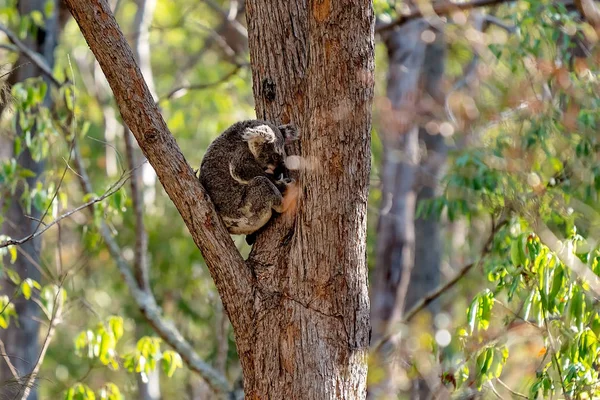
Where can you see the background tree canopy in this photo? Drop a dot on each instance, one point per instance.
(483, 210)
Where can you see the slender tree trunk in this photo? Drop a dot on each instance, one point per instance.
(21, 338)
(408, 248)
(312, 66)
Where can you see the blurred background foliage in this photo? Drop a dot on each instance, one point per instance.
(517, 202)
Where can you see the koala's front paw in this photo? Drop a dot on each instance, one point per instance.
(285, 181)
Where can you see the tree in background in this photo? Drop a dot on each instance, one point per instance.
(19, 218)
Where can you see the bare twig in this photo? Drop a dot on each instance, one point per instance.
(54, 321)
(113, 189)
(35, 58)
(199, 86)
(514, 393)
(492, 19)
(11, 367)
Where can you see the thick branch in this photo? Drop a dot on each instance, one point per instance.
(232, 278)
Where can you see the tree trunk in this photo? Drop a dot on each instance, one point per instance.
(299, 306)
(408, 248)
(312, 66)
(21, 338)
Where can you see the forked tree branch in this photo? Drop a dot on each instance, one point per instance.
(146, 302)
(233, 279)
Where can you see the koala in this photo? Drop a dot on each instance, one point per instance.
(244, 173)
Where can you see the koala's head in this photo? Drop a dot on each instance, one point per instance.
(267, 143)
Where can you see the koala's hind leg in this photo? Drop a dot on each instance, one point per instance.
(260, 198)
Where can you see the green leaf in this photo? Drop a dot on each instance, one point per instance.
(26, 290)
(80, 392)
(13, 276)
(110, 391)
(12, 250)
(472, 312)
(171, 361)
(517, 251)
(116, 326)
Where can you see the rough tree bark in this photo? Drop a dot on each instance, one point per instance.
(299, 306)
(21, 337)
(312, 65)
(408, 248)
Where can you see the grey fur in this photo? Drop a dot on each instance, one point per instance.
(238, 172)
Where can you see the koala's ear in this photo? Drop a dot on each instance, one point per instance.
(289, 132)
(258, 135)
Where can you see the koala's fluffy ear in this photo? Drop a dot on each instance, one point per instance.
(259, 134)
(289, 132)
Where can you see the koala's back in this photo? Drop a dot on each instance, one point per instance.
(215, 175)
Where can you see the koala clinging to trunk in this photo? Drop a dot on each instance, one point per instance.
(244, 173)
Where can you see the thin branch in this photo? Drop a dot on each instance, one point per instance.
(441, 289)
(437, 292)
(54, 321)
(9, 47)
(441, 9)
(36, 58)
(60, 182)
(113, 189)
(492, 19)
(514, 393)
(9, 363)
(199, 86)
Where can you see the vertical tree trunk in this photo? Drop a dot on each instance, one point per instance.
(312, 66)
(21, 338)
(408, 248)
